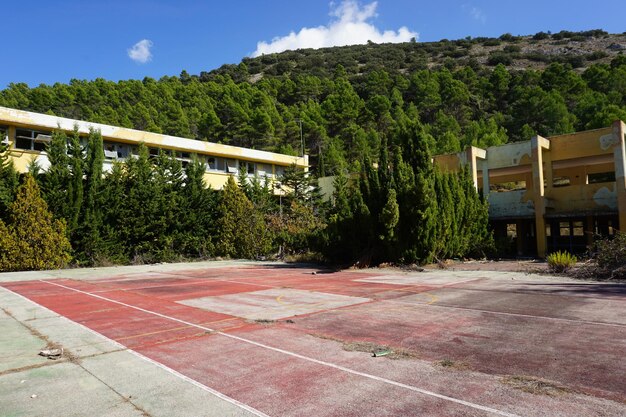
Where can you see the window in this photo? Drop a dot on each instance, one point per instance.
(264, 170)
(186, 156)
(247, 166)
(231, 165)
(560, 181)
(31, 140)
(110, 151)
(564, 229)
(501, 187)
(601, 177)
(578, 228)
(4, 135)
(279, 170)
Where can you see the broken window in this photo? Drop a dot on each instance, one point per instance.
(32, 140)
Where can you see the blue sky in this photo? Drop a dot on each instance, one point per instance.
(54, 41)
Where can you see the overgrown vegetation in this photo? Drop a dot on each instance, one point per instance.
(372, 115)
(607, 260)
(153, 209)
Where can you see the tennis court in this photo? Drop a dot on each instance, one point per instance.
(284, 340)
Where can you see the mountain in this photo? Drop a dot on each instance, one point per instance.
(347, 102)
(579, 49)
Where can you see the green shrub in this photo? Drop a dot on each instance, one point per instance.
(610, 257)
(499, 57)
(560, 261)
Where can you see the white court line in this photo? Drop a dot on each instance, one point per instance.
(296, 355)
(145, 358)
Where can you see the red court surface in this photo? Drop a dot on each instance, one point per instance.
(457, 338)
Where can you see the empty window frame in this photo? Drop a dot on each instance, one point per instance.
(248, 167)
(183, 156)
(501, 187)
(601, 177)
(32, 140)
(264, 170)
(279, 171)
(560, 181)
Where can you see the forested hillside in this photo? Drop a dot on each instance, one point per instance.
(348, 100)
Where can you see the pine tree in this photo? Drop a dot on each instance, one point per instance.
(241, 229)
(33, 239)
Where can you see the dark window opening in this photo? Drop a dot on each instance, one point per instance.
(601, 177)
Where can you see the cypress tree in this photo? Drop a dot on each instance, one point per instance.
(75, 188)
(91, 219)
(418, 210)
(198, 213)
(9, 179)
(56, 182)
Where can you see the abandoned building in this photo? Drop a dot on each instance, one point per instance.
(544, 194)
(554, 193)
(28, 133)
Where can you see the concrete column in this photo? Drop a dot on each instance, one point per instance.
(537, 145)
(472, 154)
(619, 152)
(485, 165)
(547, 173)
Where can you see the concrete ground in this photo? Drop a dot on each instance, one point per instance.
(243, 338)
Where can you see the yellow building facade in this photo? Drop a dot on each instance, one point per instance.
(553, 193)
(28, 134)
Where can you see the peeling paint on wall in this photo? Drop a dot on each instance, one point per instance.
(608, 141)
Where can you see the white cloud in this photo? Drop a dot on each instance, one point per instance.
(350, 26)
(478, 14)
(140, 52)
